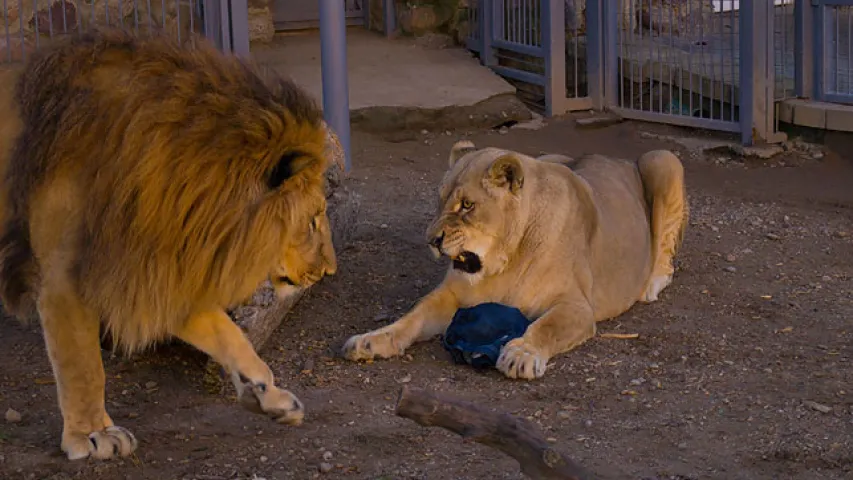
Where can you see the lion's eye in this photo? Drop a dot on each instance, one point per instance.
(467, 204)
(314, 224)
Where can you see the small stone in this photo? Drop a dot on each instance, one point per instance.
(587, 423)
(405, 379)
(772, 236)
(326, 467)
(730, 269)
(731, 257)
(424, 132)
(817, 155)
(382, 317)
(682, 445)
(263, 459)
(327, 455)
(826, 278)
(598, 122)
(150, 385)
(551, 440)
(308, 366)
(841, 234)
(817, 406)
(13, 416)
(503, 130)
(564, 415)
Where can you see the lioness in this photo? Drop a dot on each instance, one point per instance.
(568, 242)
(147, 187)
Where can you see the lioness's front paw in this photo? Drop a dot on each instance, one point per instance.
(381, 344)
(656, 285)
(110, 442)
(280, 405)
(519, 359)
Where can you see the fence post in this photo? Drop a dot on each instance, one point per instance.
(804, 62)
(333, 60)
(553, 29)
(595, 53)
(487, 19)
(819, 18)
(757, 73)
(389, 18)
(610, 29)
(239, 22)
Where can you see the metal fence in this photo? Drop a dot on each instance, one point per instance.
(30, 24)
(717, 64)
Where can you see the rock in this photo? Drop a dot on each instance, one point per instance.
(261, 28)
(417, 19)
(327, 455)
(150, 385)
(325, 467)
(772, 236)
(600, 121)
(817, 406)
(730, 269)
(763, 151)
(13, 416)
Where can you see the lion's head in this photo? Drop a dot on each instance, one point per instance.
(482, 214)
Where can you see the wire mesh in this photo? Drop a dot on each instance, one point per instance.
(839, 71)
(30, 24)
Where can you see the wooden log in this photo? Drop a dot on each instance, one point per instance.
(265, 311)
(513, 436)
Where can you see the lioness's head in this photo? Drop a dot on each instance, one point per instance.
(481, 212)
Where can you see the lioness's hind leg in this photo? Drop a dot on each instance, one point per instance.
(663, 184)
(71, 337)
(214, 333)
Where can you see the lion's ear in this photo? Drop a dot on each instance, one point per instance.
(506, 172)
(288, 166)
(459, 150)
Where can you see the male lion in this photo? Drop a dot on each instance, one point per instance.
(147, 187)
(568, 242)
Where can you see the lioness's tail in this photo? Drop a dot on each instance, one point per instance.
(18, 270)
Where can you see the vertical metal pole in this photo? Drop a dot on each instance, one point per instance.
(820, 19)
(213, 23)
(389, 17)
(804, 45)
(487, 19)
(756, 97)
(553, 23)
(239, 16)
(224, 25)
(611, 52)
(595, 53)
(333, 58)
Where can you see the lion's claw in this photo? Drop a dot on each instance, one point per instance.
(518, 359)
(367, 346)
(278, 404)
(111, 442)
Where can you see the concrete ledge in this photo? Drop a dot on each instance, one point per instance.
(823, 115)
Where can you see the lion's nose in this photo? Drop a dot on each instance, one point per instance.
(437, 240)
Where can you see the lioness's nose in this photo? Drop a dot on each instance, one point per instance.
(437, 240)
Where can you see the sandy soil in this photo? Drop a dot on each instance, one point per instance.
(741, 371)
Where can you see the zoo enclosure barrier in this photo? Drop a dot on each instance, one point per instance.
(717, 64)
(30, 24)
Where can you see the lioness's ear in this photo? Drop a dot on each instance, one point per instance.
(506, 172)
(459, 150)
(288, 166)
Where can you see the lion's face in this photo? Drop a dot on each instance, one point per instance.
(307, 255)
(480, 216)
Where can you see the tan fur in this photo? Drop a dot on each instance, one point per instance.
(569, 242)
(148, 188)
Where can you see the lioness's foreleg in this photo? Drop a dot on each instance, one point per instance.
(428, 318)
(663, 184)
(71, 336)
(214, 333)
(562, 328)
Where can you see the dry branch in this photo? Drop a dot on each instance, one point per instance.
(513, 436)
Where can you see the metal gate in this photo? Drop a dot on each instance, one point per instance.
(833, 29)
(299, 14)
(540, 46)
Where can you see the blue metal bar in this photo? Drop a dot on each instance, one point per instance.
(611, 49)
(553, 24)
(487, 17)
(389, 17)
(836, 3)
(803, 48)
(670, 119)
(239, 23)
(333, 58)
(820, 19)
(519, 48)
(838, 98)
(595, 53)
(520, 75)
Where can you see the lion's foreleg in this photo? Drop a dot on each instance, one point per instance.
(71, 336)
(214, 333)
(428, 318)
(562, 328)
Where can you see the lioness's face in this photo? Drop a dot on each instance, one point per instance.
(307, 255)
(478, 216)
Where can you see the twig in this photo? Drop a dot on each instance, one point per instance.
(621, 336)
(513, 436)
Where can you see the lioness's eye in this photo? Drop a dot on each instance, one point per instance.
(314, 224)
(467, 204)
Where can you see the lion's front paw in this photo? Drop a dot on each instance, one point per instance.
(379, 343)
(280, 405)
(110, 442)
(519, 359)
(656, 285)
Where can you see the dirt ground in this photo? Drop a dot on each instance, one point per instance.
(742, 370)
